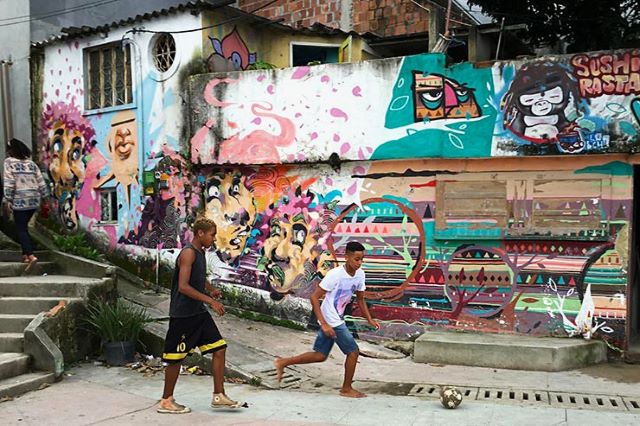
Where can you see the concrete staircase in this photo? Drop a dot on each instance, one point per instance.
(22, 298)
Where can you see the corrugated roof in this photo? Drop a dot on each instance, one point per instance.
(77, 32)
(198, 6)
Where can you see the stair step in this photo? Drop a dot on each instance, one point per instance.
(23, 383)
(13, 364)
(44, 286)
(14, 323)
(11, 342)
(16, 256)
(14, 269)
(31, 305)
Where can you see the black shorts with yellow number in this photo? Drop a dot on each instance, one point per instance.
(186, 334)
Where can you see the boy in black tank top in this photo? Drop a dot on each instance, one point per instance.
(190, 324)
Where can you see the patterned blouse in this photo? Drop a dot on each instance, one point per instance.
(24, 185)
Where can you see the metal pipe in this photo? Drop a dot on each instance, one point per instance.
(499, 39)
(446, 24)
(5, 88)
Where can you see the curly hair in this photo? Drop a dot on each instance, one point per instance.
(70, 116)
(204, 224)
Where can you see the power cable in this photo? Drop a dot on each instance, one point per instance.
(136, 30)
(57, 12)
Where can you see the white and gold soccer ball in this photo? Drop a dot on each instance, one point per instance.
(450, 397)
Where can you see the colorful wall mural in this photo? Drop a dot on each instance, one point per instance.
(291, 164)
(418, 106)
(501, 251)
(117, 171)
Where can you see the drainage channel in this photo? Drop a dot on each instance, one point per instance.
(292, 379)
(536, 398)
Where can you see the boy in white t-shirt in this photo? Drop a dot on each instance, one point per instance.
(337, 289)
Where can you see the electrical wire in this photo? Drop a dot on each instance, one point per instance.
(56, 13)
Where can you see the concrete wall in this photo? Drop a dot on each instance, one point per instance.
(14, 49)
(472, 219)
(417, 107)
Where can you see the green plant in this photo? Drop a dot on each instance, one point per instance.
(261, 65)
(76, 244)
(116, 321)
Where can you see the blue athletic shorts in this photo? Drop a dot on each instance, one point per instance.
(344, 339)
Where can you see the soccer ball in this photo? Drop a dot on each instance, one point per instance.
(450, 397)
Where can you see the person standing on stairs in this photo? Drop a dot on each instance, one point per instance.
(24, 188)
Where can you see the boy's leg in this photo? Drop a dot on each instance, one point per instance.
(217, 367)
(321, 349)
(171, 373)
(349, 370)
(349, 347)
(178, 344)
(211, 341)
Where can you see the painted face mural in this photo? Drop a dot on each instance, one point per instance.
(292, 248)
(233, 48)
(542, 104)
(230, 204)
(123, 147)
(67, 139)
(437, 97)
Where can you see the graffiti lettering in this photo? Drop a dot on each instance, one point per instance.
(607, 74)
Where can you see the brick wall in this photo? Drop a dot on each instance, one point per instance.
(383, 17)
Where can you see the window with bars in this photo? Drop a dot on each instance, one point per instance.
(108, 76)
(108, 205)
(164, 52)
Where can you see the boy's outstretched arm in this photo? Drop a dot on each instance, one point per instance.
(315, 303)
(365, 310)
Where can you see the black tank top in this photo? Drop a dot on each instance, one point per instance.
(181, 305)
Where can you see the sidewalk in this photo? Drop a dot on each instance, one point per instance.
(90, 395)
(253, 346)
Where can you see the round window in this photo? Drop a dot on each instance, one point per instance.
(164, 52)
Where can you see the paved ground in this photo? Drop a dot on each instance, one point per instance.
(253, 346)
(118, 396)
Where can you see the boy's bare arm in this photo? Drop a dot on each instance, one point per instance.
(365, 310)
(315, 303)
(214, 292)
(187, 257)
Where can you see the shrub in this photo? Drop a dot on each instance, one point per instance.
(116, 321)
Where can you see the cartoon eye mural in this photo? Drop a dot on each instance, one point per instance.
(299, 234)
(431, 99)
(213, 190)
(75, 155)
(437, 97)
(56, 147)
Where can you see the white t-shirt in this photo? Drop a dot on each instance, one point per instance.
(340, 287)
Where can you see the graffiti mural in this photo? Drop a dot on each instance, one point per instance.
(437, 97)
(418, 106)
(233, 48)
(286, 162)
(430, 262)
(68, 139)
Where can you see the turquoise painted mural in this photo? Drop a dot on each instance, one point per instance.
(420, 107)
